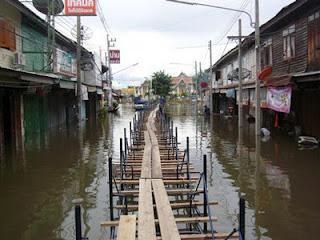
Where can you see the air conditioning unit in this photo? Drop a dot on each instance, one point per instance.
(19, 60)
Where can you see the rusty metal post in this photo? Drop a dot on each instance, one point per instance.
(188, 159)
(242, 217)
(205, 199)
(77, 212)
(110, 188)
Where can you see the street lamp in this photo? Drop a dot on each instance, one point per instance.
(123, 69)
(255, 25)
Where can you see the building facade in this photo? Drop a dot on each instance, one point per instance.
(290, 47)
(182, 85)
(37, 94)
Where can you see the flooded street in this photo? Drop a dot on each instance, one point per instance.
(275, 177)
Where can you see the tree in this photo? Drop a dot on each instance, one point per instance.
(161, 83)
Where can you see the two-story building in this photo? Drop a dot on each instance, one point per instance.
(35, 93)
(182, 85)
(290, 45)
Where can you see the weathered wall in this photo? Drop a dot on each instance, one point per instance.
(33, 46)
(14, 16)
(299, 62)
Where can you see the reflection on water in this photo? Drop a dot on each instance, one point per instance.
(276, 178)
(38, 184)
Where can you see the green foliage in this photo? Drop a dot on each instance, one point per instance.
(115, 104)
(161, 83)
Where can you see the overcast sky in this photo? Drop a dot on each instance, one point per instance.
(156, 33)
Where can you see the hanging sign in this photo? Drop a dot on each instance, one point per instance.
(80, 7)
(66, 64)
(279, 99)
(114, 56)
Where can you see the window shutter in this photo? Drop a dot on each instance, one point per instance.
(2, 32)
(7, 35)
(10, 36)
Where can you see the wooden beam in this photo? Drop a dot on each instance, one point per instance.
(134, 207)
(180, 220)
(169, 192)
(168, 226)
(127, 227)
(146, 226)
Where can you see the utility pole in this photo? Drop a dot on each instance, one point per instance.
(201, 97)
(240, 109)
(79, 93)
(258, 68)
(196, 76)
(110, 73)
(210, 77)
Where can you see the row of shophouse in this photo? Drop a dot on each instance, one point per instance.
(35, 94)
(290, 44)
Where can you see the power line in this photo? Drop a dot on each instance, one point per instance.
(244, 4)
(103, 19)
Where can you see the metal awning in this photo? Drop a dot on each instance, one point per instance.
(279, 81)
(92, 88)
(307, 77)
(67, 84)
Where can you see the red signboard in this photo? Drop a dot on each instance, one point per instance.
(114, 56)
(80, 7)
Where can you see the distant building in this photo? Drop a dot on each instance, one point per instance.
(182, 85)
(129, 91)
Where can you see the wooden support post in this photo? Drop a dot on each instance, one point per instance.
(205, 200)
(110, 188)
(242, 217)
(77, 212)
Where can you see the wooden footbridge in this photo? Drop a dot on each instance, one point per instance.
(157, 190)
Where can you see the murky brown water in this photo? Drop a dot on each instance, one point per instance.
(277, 179)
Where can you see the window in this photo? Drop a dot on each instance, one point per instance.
(218, 75)
(314, 41)
(314, 16)
(7, 35)
(267, 53)
(289, 42)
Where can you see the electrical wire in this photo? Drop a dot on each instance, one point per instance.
(244, 4)
(103, 19)
(225, 48)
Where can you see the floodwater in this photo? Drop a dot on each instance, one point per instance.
(274, 175)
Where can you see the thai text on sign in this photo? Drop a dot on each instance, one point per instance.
(80, 7)
(114, 56)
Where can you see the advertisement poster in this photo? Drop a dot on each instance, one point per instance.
(80, 7)
(279, 99)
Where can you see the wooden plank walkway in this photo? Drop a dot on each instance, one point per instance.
(146, 226)
(168, 226)
(151, 167)
(127, 227)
